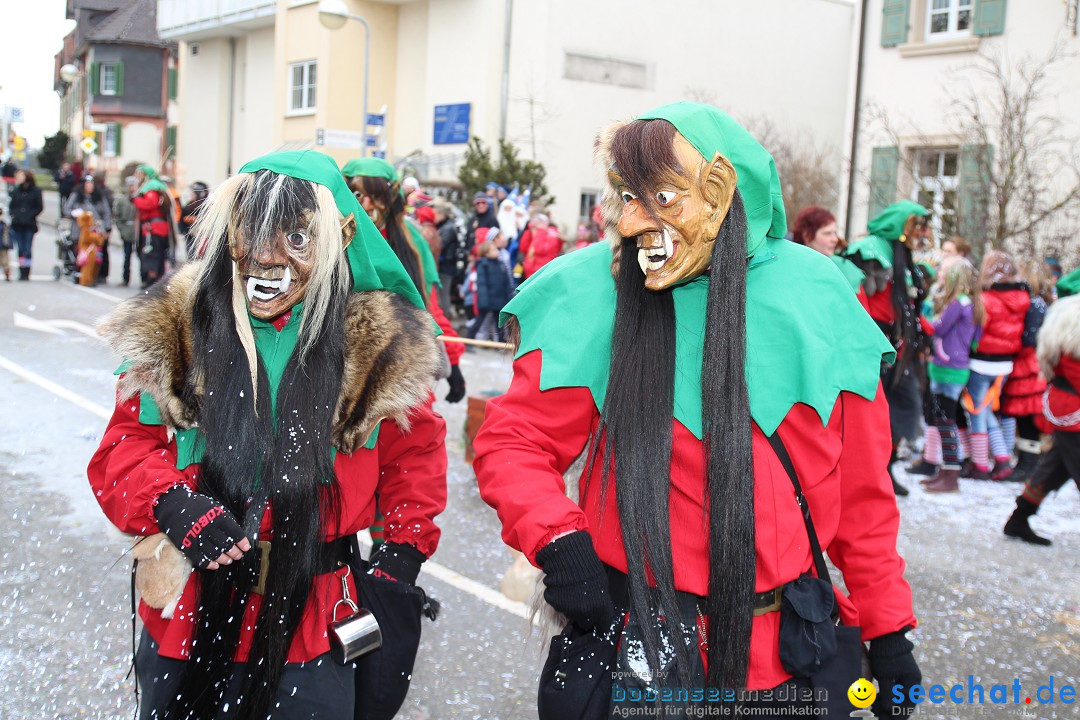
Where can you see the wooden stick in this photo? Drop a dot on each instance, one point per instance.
(478, 343)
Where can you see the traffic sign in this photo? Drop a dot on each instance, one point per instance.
(89, 146)
(15, 114)
(452, 124)
(329, 137)
(376, 119)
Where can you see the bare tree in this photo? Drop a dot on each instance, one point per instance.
(809, 170)
(1031, 179)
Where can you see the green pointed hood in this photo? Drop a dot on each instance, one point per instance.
(889, 225)
(710, 131)
(372, 262)
(1069, 284)
(152, 181)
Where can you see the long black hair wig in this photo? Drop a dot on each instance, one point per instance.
(634, 436)
(390, 197)
(249, 454)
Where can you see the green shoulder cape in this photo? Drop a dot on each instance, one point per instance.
(427, 258)
(808, 339)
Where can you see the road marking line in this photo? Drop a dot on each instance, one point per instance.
(55, 389)
(440, 572)
(98, 293)
(77, 327)
(30, 323)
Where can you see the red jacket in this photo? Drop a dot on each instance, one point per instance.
(150, 216)
(530, 437)
(453, 350)
(136, 464)
(1061, 402)
(538, 249)
(1006, 305)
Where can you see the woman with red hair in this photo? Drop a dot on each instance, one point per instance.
(815, 227)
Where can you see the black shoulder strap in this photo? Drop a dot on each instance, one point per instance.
(815, 546)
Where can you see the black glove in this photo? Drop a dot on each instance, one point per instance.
(577, 584)
(892, 663)
(397, 561)
(457, 385)
(197, 524)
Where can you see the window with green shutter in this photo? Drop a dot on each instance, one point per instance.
(170, 142)
(989, 17)
(884, 163)
(119, 72)
(974, 204)
(173, 83)
(95, 71)
(894, 22)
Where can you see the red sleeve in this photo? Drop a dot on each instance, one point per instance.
(412, 478)
(134, 465)
(147, 201)
(864, 548)
(528, 440)
(454, 350)
(927, 325)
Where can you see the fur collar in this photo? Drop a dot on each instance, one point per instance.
(391, 356)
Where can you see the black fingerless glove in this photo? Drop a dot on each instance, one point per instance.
(892, 663)
(397, 561)
(197, 524)
(576, 582)
(457, 385)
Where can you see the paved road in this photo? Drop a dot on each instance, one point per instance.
(987, 606)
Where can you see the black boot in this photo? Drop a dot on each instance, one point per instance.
(24, 273)
(899, 489)
(1018, 527)
(1027, 454)
(922, 468)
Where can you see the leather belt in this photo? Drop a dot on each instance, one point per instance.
(764, 602)
(253, 571)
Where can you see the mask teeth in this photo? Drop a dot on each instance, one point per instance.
(643, 259)
(251, 283)
(283, 285)
(669, 247)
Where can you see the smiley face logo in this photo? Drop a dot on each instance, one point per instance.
(862, 693)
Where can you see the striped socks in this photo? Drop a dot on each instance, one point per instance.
(932, 447)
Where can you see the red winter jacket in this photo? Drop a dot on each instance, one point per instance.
(1062, 402)
(538, 249)
(136, 464)
(530, 437)
(1006, 305)
(150, 215)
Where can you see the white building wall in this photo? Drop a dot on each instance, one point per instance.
(721, 57)
(915, 92)
(255, 97)
(202, 129)
(141, 143)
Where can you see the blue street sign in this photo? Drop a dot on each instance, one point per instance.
(379, 154)
(376, 119)
(372, 140)
(452, 124)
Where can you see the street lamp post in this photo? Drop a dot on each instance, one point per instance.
(332, 15)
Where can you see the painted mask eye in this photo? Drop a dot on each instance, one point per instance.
(665, 197)
(627, 196)
(297, 240)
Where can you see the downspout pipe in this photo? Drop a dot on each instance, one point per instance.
(855, 120)
(504, 91)
(231, 121)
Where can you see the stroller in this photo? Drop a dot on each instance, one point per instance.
(66, 253)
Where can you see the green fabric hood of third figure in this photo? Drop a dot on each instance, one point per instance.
(151, 183)
(884, 229)
(808, 338)
(373, 264)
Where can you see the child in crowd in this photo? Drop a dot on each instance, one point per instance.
(1006, 300)
(493, 290)
(959, 314)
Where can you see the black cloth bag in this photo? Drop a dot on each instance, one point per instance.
(383, 676)
(576, 679)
